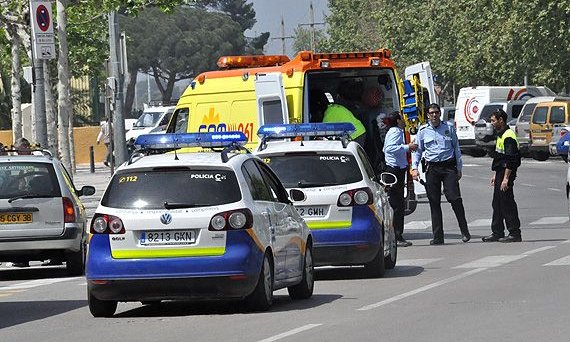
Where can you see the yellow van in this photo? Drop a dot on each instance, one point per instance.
(545, 116)
(250, 91)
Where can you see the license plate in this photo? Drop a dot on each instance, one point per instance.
(169, 237)
(312, 211)
(14, 218)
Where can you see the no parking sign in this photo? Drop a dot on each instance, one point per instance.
(42, 29)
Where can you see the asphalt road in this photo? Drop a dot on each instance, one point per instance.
(455, 292)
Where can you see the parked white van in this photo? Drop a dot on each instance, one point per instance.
(471, 100)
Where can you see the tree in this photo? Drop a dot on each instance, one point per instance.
(303, 40)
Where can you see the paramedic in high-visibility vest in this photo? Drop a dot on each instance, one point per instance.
(506, 160)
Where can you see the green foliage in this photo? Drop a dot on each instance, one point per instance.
(469, 42)
(303, 40)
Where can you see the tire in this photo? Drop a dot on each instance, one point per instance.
(75, 262)
(304, 289)
(390, 259)
(375, 268)
(101, 308)
(540, 156)
(262, 296)
(564, 157)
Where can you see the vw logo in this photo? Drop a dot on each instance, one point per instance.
(165, 218)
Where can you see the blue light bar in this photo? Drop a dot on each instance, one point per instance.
(179, 140)
(306, 130)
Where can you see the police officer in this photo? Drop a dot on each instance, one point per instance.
(396, 155)
(506, 160)
(437, 142)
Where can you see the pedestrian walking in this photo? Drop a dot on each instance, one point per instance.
(104, 134)
(396, 155)
(439, 147)
(506, 160)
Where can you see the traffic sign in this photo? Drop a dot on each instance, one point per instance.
(42, 29)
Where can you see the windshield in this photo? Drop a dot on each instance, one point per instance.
(303, 170)
(28, 179)
(527, 112)
(179, 187)
(148, 119)
(488, 110)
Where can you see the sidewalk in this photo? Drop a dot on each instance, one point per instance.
(99, 180)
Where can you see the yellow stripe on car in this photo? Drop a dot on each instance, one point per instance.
(329, 224)
(167, 253)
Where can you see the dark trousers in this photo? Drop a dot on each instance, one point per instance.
(396, 199)
(435, 176)
(505, 209)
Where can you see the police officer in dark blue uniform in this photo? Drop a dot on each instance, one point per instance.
(438, 144)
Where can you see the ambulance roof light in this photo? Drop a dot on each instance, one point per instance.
(235, 62)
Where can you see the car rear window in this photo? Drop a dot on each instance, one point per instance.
(539, 116)
(526, 113)
(487, 111)
(28, 179)
(304, 170)
(557, 115)
(182, 187)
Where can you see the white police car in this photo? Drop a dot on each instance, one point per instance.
(335, 190)
(196, 226)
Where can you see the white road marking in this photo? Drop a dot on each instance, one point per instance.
(560, 262)
(554, 189)
(418, 225)
(480, 223)
(526, 184)
(35, 283)
(471, 165)
(467, 176)
(290, 332)
(551, 220)
(491, 261)
(566, 241)
(417, 262)
(421, 289)
(539, 250)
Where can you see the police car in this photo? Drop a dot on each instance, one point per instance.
(335, 190)
(196, 226)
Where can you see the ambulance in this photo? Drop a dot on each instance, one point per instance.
(250, 91)
(471, 100)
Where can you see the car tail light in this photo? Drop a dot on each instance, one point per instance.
(68, 211)
(563, 131)
(106, 224)
(231, 220)
(362, 196)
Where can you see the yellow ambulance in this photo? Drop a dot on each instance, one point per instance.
(250, 91)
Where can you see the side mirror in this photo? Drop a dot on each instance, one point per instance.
(87, 190)
(388, 179)
(297, 195)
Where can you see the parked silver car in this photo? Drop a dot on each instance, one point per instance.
(41, 216)
(484, 132)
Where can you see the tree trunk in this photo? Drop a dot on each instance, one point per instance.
(65, 123)
(51, 116)
(167, 95)
(14, 38)
(130, 97)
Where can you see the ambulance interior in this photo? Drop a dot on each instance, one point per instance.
(362, 91)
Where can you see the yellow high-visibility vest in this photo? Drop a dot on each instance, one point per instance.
(500, 144)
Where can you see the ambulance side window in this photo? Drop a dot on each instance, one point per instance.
(272, 113)
(179, 122)
(256, 183)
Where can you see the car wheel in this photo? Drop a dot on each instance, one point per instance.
(540, 156)
(101, 308)
(390, 259)
(375, 268)
(564, 157)
(75, 262)
(262, 296)
(304, 289)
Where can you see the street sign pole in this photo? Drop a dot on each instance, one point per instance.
(43, 48)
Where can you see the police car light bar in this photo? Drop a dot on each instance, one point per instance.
(179, 140)
(305, 130)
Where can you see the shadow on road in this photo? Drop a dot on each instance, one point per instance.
(14, 313)
(281, 303)
(32, 273)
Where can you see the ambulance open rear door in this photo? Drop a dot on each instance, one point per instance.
(271, 100)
